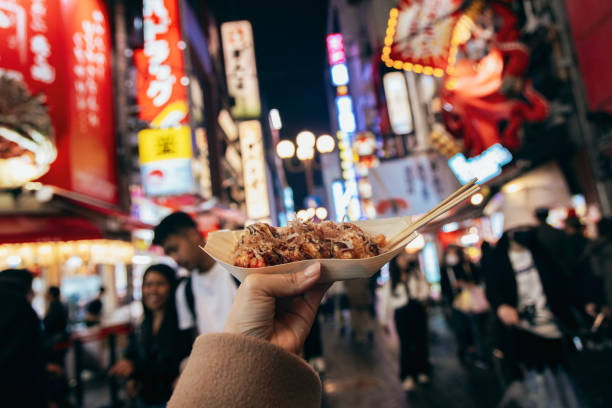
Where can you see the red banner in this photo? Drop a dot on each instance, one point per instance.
(62, 48)
(162, 96)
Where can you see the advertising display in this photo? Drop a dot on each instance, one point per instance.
(398, 103)
(165, 160)
(348, 203)
(485, 166)
(162, 94)
(62, 50)
(254, 166)
(419, 35)
(240, 69)
(410, 186)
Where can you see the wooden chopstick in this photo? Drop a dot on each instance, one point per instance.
(468, 189)
(451, 201)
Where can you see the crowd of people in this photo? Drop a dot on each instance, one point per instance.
(533, 289)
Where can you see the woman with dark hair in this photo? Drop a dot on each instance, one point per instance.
(404, 296)
(158, 347)
(465, 297)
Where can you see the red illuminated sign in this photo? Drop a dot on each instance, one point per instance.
(61, 48)
(335, 49)
(160, 64)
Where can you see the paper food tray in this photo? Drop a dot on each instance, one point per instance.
(221, 246)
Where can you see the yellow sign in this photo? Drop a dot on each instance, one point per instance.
(164, 144)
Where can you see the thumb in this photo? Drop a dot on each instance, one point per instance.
(285, 284)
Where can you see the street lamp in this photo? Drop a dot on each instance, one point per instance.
(305, 153)
(285, 149)
(325, 144)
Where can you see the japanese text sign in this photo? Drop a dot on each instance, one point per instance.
(253, 163)
(335, 49)
(240, 69)
(62, 49)
(161, 95)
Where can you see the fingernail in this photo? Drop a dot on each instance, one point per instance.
(312, 269)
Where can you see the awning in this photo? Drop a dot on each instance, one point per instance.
(42, 229)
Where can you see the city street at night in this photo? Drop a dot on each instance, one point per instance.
(331, 203)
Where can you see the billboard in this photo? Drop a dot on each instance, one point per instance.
(62, 50)
(165, 161)
(419, 33)
(398, 102)
(410, 186)
(240, 69)
(161, 83)
(254, 167)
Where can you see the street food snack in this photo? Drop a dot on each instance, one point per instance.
(261, 245)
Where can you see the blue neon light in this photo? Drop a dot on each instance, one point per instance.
(485, 166)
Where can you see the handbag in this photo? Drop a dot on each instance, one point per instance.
(471, 300)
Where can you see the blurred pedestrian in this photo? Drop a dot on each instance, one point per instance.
(599, 256)
(462, 289)
(587, 287)
(530, 296)
(55, 321)
(157, 348)
(23, 380)
(360, 300)
(554, 240)
(404, 298)
(56, 344)
(95, 309)
(204, 299)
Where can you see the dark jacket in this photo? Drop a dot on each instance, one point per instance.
(157, 358)
(557, 243)
(56, 319)
(22, 365)
(55, 331)
(501, 282)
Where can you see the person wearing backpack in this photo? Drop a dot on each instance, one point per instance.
(204, 299)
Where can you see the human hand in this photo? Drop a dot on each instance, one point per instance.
(55, 369)
(508, 315)
(123, 368)
(131, 389)
(279, 308)
(590, 309)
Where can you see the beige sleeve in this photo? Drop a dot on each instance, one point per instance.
(229, 370)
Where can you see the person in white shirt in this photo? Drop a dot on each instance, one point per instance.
(403, 298)
(203, 301)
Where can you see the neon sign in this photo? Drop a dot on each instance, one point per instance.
(485, 166)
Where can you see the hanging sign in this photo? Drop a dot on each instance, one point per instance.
(165, 161)
(419, 35)
(254, 167)
(161, 83)
(240, 69)
(398, 103)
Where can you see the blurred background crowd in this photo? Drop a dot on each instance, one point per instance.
(131, 130)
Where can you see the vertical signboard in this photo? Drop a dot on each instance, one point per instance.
(349, 204)
(240, 69)
(162, 96)
(254, 167)
(166, 149)
(398, 104)
(91, 99)
(62, 50)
